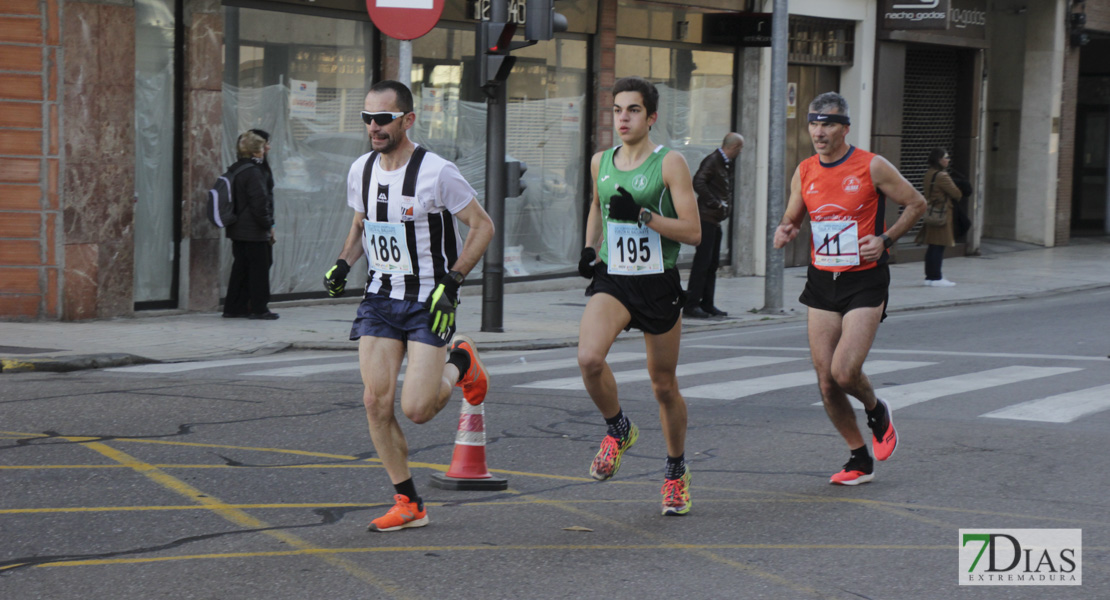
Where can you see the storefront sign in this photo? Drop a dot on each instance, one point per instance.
(915, 14)
(745, 30)
(965, 18)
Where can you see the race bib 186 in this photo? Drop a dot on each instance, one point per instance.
(633, 250)
(385, 246)
(835, 243)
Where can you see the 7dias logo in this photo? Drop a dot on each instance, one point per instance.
(1021, 557)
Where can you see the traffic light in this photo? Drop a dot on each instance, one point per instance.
(494, 60)
(541, 21)
(514, 184)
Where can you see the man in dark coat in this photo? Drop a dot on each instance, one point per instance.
(713, 184)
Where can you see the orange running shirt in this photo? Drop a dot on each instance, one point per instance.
(844, 205)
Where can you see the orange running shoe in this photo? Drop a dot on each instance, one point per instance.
(884, 438)
(608, 458)
(475, 383)
(856, 471)
(403, 515)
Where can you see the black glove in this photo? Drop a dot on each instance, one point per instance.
(586, 263)
(623, 207)
(335, 280)
(442, 303)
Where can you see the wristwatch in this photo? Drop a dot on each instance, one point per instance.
(455, 275)
(887, 242)
(645, 217)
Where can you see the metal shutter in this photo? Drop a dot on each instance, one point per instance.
(929, 111)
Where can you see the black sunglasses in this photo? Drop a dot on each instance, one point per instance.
(381, 118)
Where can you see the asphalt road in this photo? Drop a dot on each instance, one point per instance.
(256, 478)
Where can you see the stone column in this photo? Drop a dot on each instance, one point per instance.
(202, 158)
(1039, 138)
(98, 191)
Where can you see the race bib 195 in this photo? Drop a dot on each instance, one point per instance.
(633, 250)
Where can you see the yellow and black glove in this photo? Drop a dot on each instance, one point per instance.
(335, 280)
(442, 303)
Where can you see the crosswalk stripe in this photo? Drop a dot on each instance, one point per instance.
(305, 370)
(512, 368)
(724, 364)
(733, 390)
(212, 364)
(901, 396)
(1061, 408)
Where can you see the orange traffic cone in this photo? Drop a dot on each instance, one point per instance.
(468, 463)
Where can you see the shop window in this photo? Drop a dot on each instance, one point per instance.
(546, 129)
(816, 41)
(303, 79)
(155, 100)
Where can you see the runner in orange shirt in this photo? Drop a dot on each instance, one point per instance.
(844, 191)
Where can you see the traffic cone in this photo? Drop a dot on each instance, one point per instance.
(468, 463)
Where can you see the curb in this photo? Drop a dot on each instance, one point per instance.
(70, 363)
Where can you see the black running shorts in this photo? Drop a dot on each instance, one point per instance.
(842, 292)
(655, 301)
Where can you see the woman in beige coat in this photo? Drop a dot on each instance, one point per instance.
(942, 194)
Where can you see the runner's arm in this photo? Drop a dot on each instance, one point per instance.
(477, 239)
(891, 183)
(593, 219)
(352, 248)
(793, 215)
(686, 227)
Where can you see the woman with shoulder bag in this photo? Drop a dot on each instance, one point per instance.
(942, 194)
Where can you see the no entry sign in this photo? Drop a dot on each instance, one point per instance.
(404, 19)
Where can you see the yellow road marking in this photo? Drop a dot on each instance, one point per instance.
(239, 517)
(485, 548)
(701, 551)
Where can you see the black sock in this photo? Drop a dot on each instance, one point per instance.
(861, 453)
(676, 467)
(619, 425)
(461, 359)
(408, 489)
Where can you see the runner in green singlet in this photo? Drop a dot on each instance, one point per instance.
(643, 208)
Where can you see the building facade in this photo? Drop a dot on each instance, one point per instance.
(117, 115)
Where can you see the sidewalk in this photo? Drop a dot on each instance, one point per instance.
(531, 320)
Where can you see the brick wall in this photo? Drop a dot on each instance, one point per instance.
(30, 153)
(606, 61)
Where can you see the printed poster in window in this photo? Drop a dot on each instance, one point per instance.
(302, 99)
(791, 100)
(431, 105)
(572, 117)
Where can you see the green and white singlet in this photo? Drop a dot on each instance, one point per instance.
(645, 185)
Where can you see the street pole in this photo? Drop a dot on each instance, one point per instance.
(493, 276)
(776, 178)
(404, 62)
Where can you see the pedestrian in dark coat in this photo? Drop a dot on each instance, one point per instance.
(713, 185)
(252, 234)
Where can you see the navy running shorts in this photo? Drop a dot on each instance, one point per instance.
(847, 290)
(384, 317)
(654, 301)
